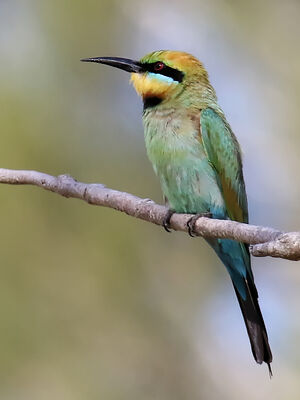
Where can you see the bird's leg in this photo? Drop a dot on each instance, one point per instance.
(167, 220)
(192, 221)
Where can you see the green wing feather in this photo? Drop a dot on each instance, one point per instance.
(224, 154)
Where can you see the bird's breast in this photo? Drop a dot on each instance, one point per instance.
(175, 148)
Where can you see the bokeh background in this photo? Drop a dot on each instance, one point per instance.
(95, 304)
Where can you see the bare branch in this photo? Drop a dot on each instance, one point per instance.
(264, 241)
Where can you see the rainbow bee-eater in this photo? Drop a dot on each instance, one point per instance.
(197, 159)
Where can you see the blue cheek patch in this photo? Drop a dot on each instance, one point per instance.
(162, 78)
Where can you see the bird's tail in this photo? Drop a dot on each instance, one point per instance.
(236, 258)
(255, 324)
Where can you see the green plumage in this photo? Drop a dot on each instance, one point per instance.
(197, 159)
(193, 165)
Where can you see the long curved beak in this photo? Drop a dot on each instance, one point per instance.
(122, 63)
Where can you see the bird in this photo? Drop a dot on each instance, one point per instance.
(197, 159)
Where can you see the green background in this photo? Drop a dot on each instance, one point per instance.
(95, 304)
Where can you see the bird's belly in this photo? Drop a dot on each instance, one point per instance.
(190, 187)
(187, 179)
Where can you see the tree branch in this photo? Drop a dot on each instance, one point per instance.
(264, 241)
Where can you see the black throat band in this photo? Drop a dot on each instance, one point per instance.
(150, 102)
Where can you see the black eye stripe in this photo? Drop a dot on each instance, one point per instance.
(173, 73)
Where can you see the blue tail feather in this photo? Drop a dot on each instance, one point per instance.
(235, 256)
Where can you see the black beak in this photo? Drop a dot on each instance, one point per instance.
(122, 63)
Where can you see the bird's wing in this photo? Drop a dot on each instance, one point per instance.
(224, 154)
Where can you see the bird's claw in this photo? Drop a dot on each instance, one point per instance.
(192, 221)
(167, 220)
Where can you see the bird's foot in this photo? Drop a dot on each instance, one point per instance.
(192, 221)
(167, 220)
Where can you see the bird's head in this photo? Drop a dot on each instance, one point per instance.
(162, 75)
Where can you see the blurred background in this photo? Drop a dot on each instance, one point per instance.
(95, 304)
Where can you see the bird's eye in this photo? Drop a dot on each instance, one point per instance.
(158, 66)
